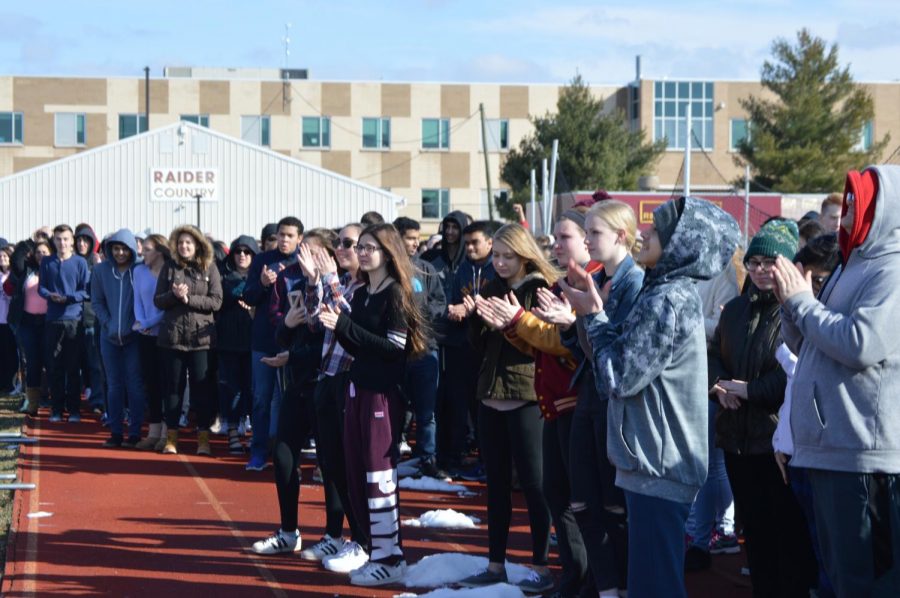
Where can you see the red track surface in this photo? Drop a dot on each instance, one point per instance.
(128, 523)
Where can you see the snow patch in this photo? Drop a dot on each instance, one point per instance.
(431, 485)
(451, 567)
(444, 518)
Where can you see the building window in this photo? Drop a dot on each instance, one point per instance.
(435, 133)
(865, 138)
(376, 133)
(197, 119)
(435, 203)
(255, 129)
(10, 127)
(69, 130)
(497, 134)
(671, 102)
(316, 131)
(634, 105)
(740, 132)
(132, 124)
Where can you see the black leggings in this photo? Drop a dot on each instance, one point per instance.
(329, 408)
(514, 437)
(152, 369)
(572, 553)
(196, 363)
(293, 430)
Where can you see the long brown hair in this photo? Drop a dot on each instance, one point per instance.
(161, 244)
(399, 267)
(523, 245)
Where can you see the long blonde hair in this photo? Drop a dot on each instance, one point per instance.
(523, 245)
(617, 215)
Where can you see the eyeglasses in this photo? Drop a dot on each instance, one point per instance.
(242, 251)
(754, 264)
(346, 243)
(367, 249)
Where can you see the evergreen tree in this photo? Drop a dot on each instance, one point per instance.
(596, 149)
(803, 140)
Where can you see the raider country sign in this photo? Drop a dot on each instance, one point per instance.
(184, 184)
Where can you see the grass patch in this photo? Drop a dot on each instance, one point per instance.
(11, 421)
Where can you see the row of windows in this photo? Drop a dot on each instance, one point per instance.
(436, 202)
(741, 130)
(315, 131)
(673, 103)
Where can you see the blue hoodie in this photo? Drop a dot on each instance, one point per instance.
(112, 292)
(653, 366)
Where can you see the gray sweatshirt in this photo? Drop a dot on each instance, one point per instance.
(845, 413)
(653, 366)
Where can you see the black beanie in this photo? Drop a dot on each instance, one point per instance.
(665, 219)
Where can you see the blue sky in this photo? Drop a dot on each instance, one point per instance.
(443, 40)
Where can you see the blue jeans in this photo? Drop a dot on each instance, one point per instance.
(124, 377)
(91, 361)
(713, 509)
(420, 387)
(655, 546)
(234, 386)
(266, 402)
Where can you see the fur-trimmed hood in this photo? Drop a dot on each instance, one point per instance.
(203, 258)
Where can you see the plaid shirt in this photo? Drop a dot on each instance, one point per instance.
(333, 292)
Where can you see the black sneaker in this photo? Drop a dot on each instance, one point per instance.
(475, 473)
(131, 442)
(429, 468)
(697, 559)
(484, 578)
(114, 441)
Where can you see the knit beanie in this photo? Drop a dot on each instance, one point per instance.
(268, 231)
(776, 237)
(665, 219)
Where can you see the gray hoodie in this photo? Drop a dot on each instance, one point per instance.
(845, 413)
(112, 292)
(653, 366)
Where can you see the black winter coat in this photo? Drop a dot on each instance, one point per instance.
(743, 348)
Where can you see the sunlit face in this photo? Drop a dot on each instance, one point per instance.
(478, 247)
(602, 241)
(41, 251)
(507, 263)
(345, 251)
(187, 246)
(451, 232)
(847, 221)
(762, 271)
(4, 261)
(63, 241)
(121, 254)
(651, 249)
(151, 254)
(411, 241)
(371, 254)
(569, 244)
(830, 218)
(83, 245)
(288, 239)
(243, 256)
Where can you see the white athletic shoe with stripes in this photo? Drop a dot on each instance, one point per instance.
(378, 574)
(278, 543)
(322, 549)
(350, 557)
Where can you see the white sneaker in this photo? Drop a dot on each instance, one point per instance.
(278, 543)
(217, 427)
(325, 547)
(350, 557)
(405, 448)
(378, 574)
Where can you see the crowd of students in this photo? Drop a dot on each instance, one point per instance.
(576, 378)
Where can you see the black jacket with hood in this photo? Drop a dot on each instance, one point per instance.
(234, 322)
(446, 264)
(88, 317)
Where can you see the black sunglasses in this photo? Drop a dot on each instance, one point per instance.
(243, 250)
(345, 243)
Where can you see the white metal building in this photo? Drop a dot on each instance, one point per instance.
(149, 182)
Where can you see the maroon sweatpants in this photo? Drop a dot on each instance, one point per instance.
(371, 458)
